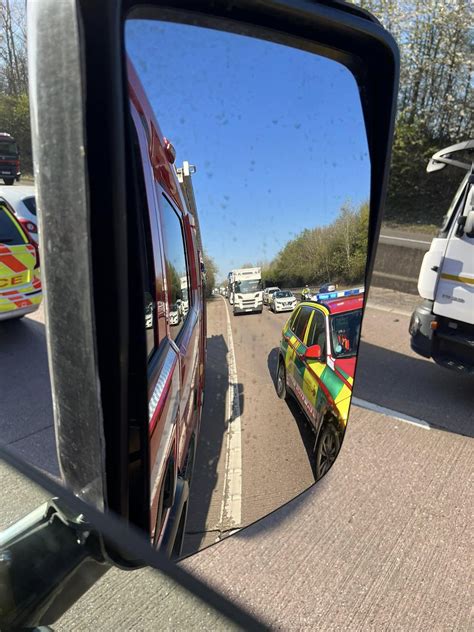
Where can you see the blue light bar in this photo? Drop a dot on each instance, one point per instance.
(330, 296)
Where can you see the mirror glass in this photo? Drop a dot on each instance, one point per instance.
(255, 175)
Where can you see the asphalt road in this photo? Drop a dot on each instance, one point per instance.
(275, 443)
(382, 542)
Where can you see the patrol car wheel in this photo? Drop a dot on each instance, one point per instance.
(281, 381)
(326, 450)
(9, 181)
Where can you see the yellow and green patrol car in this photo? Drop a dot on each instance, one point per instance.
(316, 364)
(20, 281)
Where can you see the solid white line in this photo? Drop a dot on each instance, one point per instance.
(413, 241)
(391, 310)
(388, 412)
(231, 506)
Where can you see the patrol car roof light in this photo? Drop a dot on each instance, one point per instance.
(329, 296)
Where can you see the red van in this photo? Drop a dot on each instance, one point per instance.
(175, 346)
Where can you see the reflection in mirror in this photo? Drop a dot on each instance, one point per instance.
(253, 161)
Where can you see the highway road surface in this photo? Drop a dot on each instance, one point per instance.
(381, 543)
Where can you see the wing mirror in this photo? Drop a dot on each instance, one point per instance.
(313, 353)
(142, 406)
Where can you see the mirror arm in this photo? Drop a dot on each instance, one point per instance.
(48, 560)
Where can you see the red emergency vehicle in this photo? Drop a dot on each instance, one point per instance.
(175, 346)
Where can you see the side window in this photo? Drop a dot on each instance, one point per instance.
(146, 261)
(317, 331)
(177, 274)
(292, 321)
(299, 326)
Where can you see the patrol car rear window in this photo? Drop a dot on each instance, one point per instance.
(30, 203)
(9, 233)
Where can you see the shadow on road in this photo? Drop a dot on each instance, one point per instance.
(206, 498)
(307, 435)
(26, 414)
(415, 386)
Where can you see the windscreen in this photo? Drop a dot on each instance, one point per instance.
(345, 330)
(283, 294)
(245, 287)
(8, 148)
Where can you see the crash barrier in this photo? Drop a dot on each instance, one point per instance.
(398, 262)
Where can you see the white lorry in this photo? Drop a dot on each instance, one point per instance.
(442, 327)
(246, 290)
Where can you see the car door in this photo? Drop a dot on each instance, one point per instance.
(296, 349)
(18, 264)
(313, 390)
(455, 291)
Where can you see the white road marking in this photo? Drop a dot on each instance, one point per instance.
(413, 241)
(231, 506)
(388, 412)
(391, 310)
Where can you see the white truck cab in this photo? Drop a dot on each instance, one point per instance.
(246, 291)
(442, 327)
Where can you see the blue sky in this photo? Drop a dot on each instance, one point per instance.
(276, 134)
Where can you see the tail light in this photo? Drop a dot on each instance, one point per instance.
(30, 227)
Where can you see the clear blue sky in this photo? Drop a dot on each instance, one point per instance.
(276, 134)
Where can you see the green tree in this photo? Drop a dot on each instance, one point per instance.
(436, 101)
(211, 275)
(337, 252)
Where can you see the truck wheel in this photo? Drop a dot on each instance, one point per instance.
(8, 181)
(281, 381)
(327, 449)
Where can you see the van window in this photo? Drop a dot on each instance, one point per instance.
(10, 234)
(146, 261)
(453, 209)
(177, 273)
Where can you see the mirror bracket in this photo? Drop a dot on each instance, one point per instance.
(31, 570)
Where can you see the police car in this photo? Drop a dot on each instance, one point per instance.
(316, 364)
(20, 282)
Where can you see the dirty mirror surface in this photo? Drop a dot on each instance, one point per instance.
(274, 144)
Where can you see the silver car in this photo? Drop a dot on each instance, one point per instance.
(267, 293)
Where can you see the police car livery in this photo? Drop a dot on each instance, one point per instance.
(316, 364)
(20, 281)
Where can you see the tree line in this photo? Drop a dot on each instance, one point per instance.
(14, 102)
(435, 102)
(335, 253)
